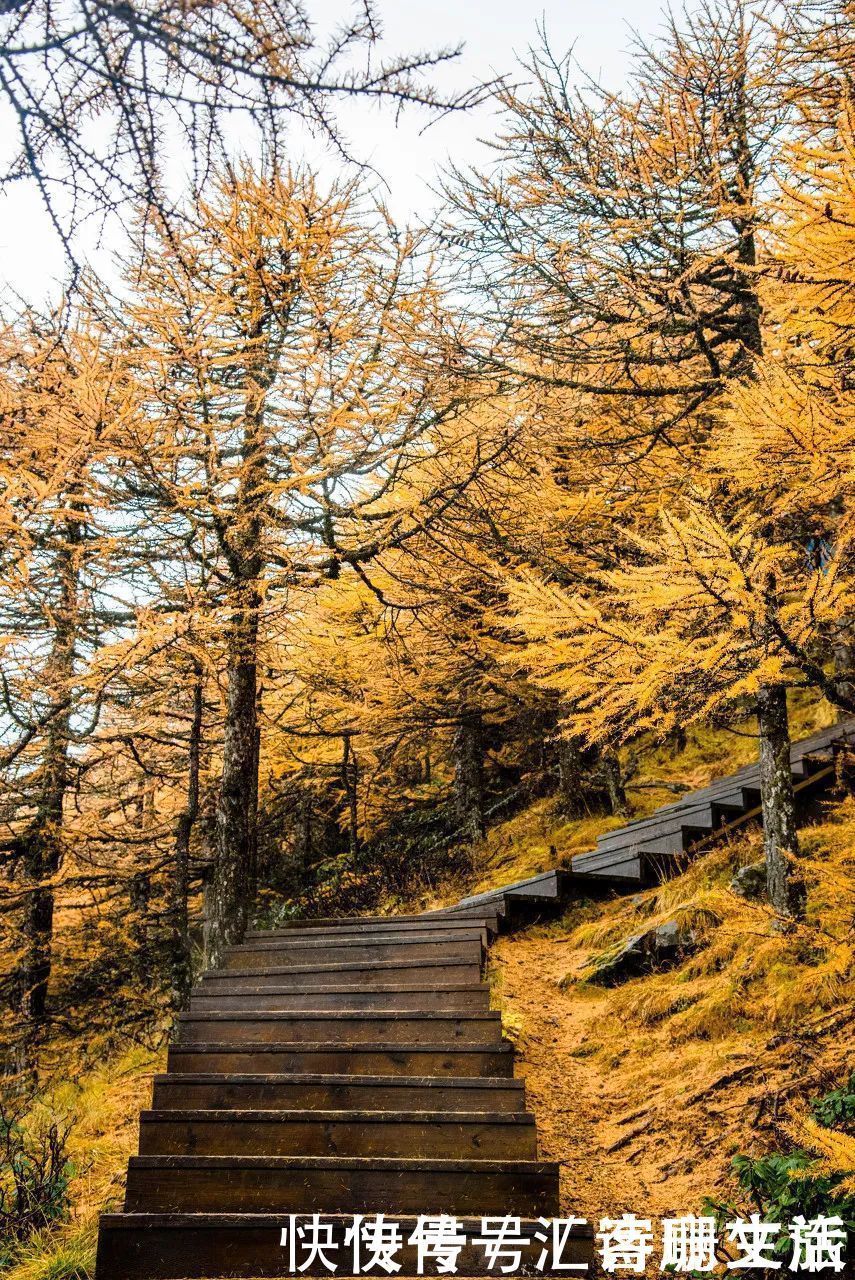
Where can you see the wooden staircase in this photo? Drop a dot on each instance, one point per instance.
(353, 1066)
(651, 849)
(339, 1067)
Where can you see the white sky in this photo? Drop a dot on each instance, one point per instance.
(493, 31)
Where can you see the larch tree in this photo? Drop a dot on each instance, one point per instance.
(625, 238)
(747, 586)
(286, 350)
(64, 403)
(406, 663)
(98, 96)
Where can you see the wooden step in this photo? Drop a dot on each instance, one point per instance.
(343, 1059)
(248, 1246)
(444, 947)
(456, 912)
(472, 997)
(304, 1184)
(406, 937)
(362, 928)
(414, 1134)
(407, 1026)
(337, 1093)
(437, 974)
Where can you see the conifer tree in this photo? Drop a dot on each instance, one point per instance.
(284, 349)
(65, 397)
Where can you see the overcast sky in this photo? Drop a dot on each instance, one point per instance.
(493, 32)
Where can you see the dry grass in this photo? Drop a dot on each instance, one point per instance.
(644, 1092)
(746, 965)
(104, 1106)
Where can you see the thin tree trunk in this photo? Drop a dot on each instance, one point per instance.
(42, 844)
(780, 841)
(844, 662)
(349, 779)
(571, 786)
(252, 816)
(610, 765)
(139, 902)
(181, 975)
(469, 776)
(228, 898)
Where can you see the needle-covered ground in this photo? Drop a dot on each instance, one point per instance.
(645, 1091)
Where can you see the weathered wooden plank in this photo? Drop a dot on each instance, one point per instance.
(406, 1026)
(337, 1093)
(361, 928)
(242, 997)
(337, 1058)
(187, 1247)
(303, 1184)
(252, 955)
(411, 1134)
(438, 973)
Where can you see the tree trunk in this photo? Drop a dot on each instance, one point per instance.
(181, 970)
(349, 778)
(42, 845)
(241, 538)
(844, 662)
(610, 765)
(780, 841)
(469, 776)
(571, 786)
(252, 816)
(139, 903)
(228, 898)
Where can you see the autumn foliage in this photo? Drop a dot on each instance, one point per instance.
(324, 541)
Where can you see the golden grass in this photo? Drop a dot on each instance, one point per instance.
(104, 1107)
(747, 970)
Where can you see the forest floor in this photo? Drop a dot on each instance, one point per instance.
(644, 1092)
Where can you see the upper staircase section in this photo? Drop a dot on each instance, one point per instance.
(650, 849)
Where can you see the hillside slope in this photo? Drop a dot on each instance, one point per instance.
(645, 1091)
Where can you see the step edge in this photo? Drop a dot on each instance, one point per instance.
(269, 1115)
(354, 1163)
(338, 1047)
(274, 1077)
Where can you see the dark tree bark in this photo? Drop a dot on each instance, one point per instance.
(181, 969)
(469, 776)
(139, 902)
(610, 765)
(252, 816)
(780, 841)
(350, 782)
(589, 780)
(571, 773)
(232, 883)
(41, 846)
(228, 897)
(844, 663)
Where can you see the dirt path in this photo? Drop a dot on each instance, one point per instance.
(640, 1124)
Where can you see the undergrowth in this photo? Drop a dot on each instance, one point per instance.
(746, 967)
(105, 1105)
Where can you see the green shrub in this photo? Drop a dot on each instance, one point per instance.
(780, 1186)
